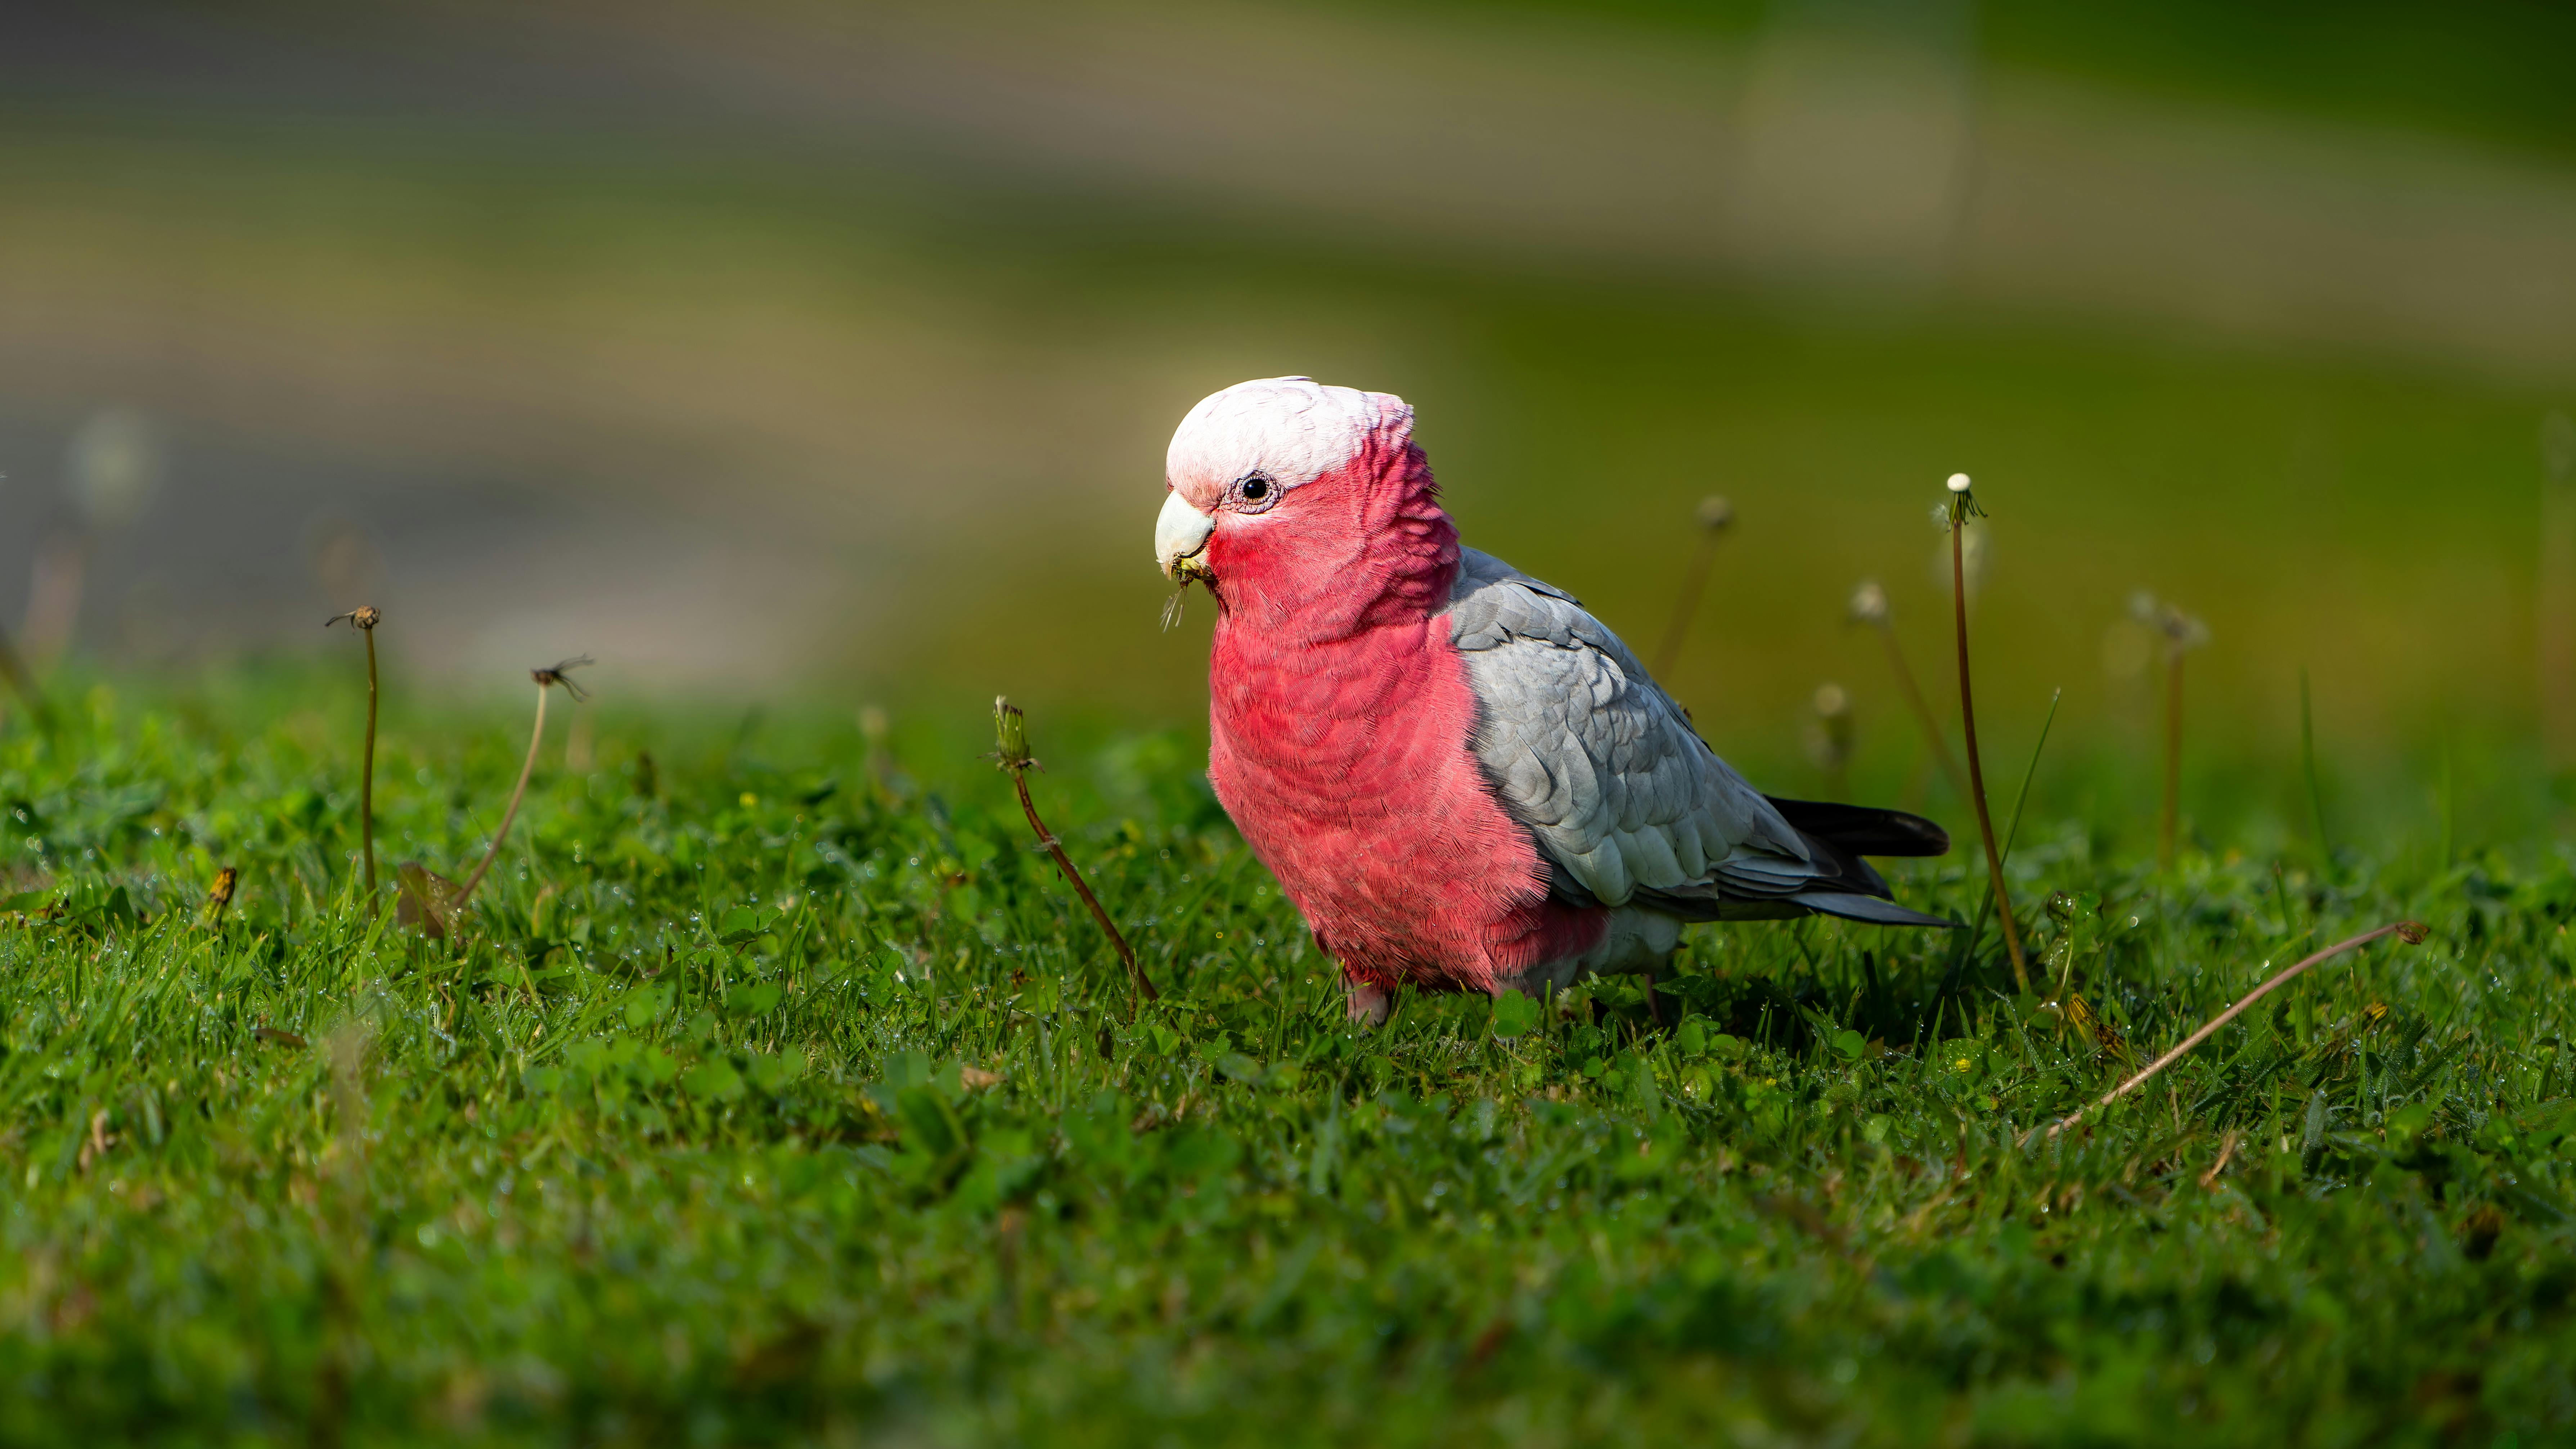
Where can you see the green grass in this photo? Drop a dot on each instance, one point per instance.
(684, 1146)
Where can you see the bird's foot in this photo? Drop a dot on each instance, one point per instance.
(1368, 1003)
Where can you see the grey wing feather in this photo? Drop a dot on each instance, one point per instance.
(1594, 758)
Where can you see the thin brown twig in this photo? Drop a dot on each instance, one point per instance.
(2410, 932)
(1010, 729)
(1963, 506)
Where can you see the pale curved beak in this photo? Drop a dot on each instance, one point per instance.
(1180, 538)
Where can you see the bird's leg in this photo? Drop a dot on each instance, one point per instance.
(1367, 1003)
(1654, 1003)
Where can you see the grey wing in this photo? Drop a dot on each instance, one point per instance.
(1590, 754)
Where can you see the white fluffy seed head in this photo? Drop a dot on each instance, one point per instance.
(1291, 430)
(1958, 482)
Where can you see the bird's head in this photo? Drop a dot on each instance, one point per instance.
(1281, 484)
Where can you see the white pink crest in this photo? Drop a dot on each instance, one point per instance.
(1292, 430)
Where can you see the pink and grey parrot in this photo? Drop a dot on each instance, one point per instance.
(1462, 779)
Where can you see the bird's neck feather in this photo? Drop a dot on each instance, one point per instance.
(1385, 553)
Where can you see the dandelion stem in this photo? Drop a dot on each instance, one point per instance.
(2170, 821)
(1136, 973)
(1968, 726)
(2308, 762)
(2450, 800)
(545, 683)
(367, 780)
(536, 737)
(1714, 516)
(25, 684)
(2411, 932)
(1922, 708)
(364, 619)
(1011, 730)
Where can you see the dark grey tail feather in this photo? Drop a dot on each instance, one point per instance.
(1866, 908)
(1842, 883)
(1863, 829)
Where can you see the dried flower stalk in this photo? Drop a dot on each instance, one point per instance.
(546, 680)
(1716, 515)
(364, 619)
(1011, 736)
(1869, 606)
(1962, 507)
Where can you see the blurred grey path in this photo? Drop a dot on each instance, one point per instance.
(473, 281)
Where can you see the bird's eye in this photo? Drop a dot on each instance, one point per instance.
(1255, 492)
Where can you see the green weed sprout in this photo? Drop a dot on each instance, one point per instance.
(1869, 606)
(1962, 506)
(364, 619)
(1011, 740)
(1716, 515)
(2180, 633)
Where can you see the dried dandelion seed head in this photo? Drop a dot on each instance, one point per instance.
(558, 674)
(1959, 507)
(1010, 736)
(2178, 630)
(1716, 513)
(365, 616)
(1868, 604)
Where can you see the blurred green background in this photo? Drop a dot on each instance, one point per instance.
(788, 351)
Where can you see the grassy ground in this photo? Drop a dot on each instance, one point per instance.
(775, 1097)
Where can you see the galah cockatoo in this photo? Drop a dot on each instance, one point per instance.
(1461, 778)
